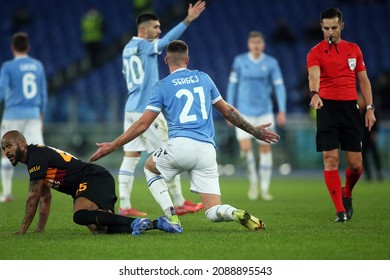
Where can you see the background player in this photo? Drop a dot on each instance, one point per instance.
(91, 186)
(333, 66)
(253, 78)
(141, 73)
(23, 89)
(186, 98)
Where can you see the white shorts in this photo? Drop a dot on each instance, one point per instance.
(256, 121)
(197, 158)
(31, 129)
(152, 139)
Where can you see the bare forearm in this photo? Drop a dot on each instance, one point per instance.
(365, 88)
(133, 132)
(314, 78)
(187, 21)
(44, 210)
(31, 209)
(43, 217)
(313, 85)
(235, 118)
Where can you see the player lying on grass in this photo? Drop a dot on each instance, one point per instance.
(91, 186)
(186, 98)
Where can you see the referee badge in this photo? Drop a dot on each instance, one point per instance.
(352, 63)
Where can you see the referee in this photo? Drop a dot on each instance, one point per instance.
(333, 66)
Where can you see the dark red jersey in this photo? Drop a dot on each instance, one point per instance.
(60, 170)
(339, 64)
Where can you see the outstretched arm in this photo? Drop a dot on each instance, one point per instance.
(233, 116)
(139, 127)
(194, 12)
(35, 192)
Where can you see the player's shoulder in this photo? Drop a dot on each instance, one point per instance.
(134, 41)
(270, 58)
(241, 56)
(35, 61)
(132, 46)
(8, 63)
(162, 83)
(28, 60)
(139, 42)
(38, 148)
(37, 153)
(196, 72)
(201, 75)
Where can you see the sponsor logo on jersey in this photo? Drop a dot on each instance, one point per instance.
(33, 169)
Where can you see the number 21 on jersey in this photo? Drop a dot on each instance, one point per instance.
(198, 93)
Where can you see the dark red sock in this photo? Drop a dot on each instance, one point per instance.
(351, 180)
(333, 182)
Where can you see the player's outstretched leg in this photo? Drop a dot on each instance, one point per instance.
(169, 224)
(140, 225)
(247, 220)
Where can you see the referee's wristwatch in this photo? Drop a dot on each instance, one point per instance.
(371, 107)
(313, 92)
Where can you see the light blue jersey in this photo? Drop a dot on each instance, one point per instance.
(140, 67)
(23, 88)
(252, 82)
(185, 97)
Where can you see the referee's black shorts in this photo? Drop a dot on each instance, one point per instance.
(99, 187)
(339, 126)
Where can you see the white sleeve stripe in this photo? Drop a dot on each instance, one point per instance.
(233, 80)
(156, 46)
(216, 99)
(233, 77)
(152, 108)
(278, 82)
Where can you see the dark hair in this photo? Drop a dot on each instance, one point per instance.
(20, 42)
(332, 13)
(144, 18)
(177, 46)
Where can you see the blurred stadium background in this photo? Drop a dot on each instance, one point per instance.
(86, 101)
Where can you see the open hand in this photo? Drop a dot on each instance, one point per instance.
(266, 135)
(195, 10)
(103, 150)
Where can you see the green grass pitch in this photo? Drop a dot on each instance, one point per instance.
(299, 226)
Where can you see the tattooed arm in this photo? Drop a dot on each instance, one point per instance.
(232, 115)
(44, 208)
(35, 193)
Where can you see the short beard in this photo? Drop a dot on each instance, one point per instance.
(18, 155)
